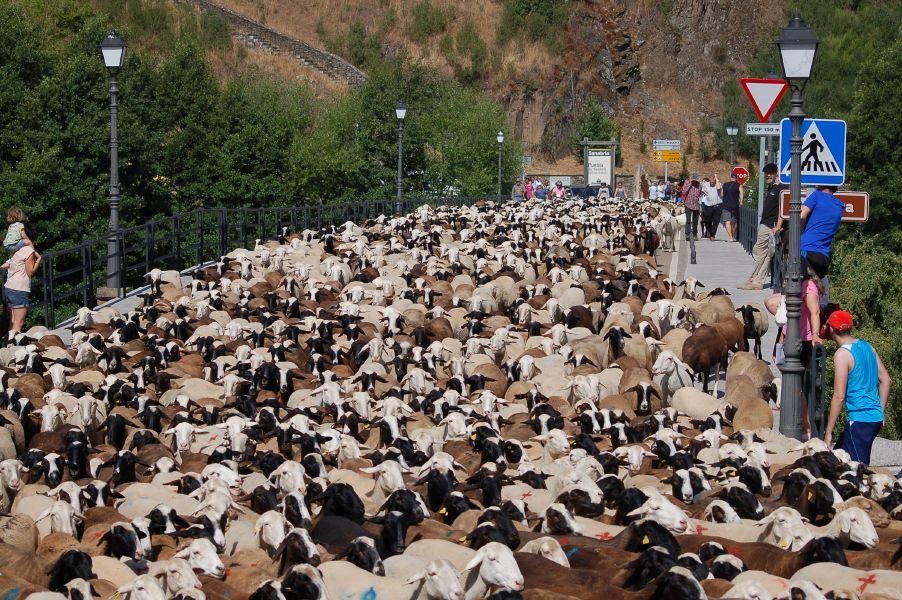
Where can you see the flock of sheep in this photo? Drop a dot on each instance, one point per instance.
(496, 401)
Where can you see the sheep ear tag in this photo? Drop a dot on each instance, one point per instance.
(783, 543)
(645, 540)
(810, 496)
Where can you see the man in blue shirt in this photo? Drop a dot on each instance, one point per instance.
(821, 215)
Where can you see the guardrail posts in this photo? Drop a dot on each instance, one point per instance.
(222, 230)
(120, 253)
(87, 274)
(46, 278)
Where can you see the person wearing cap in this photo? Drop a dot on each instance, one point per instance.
(861, 382)
(558, 192)
(517, 191)
(691, 200)
(731, 193)
(770, 225)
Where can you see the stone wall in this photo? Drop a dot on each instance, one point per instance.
(258, 35)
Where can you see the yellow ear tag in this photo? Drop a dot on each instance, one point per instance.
(645, 540)
(443, 511)
(473, 436)
(810, 496)
(784, 543)
(463, 540)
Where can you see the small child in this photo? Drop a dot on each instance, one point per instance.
(15, 235)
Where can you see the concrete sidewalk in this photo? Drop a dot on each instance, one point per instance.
(726, 264)
(721, 264)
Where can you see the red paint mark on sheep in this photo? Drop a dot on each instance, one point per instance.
(699, 530)
(735, 550)
(865, 582)
(604, 536)
(525, 495)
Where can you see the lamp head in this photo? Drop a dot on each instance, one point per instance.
(112, 48)
(798, 45)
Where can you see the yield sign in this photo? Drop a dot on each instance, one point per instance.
(764, 94)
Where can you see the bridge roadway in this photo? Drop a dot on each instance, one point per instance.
(718, 264)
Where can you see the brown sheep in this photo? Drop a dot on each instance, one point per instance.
(753, 414)
(733, 332)
(745, 363)
(705, 350)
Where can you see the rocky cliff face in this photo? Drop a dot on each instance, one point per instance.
(657, 66)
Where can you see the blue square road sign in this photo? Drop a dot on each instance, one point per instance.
(823, 151)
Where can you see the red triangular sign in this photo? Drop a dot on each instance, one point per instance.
(764, 94)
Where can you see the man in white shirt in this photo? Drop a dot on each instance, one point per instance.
(653, 192)
(711, 207)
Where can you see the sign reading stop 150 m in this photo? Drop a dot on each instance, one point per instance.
(857, 209)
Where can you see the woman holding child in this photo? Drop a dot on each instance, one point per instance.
(20, 267)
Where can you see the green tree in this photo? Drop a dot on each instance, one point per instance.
(595, 123)
(875, 131)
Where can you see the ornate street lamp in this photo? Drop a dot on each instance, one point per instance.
(401, 113)
(798, 47)
(113, 51)
(732, 130)
(499, 137)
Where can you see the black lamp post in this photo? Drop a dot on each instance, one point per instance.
(113, 51)
(732, 130)
(401, 113)
(798, 46)
(500, 139)
(770, 138)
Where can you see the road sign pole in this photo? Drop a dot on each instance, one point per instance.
(760, 177)
(792, 368)
(665, 171)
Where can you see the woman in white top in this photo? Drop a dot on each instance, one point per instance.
(711, 207)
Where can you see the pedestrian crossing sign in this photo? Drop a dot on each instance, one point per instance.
(823, 151)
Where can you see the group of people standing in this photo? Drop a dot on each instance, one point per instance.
(536, 188)
(861, 382)
(712, 202)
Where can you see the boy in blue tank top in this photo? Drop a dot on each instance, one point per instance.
(861, 382)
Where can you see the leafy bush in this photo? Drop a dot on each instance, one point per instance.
(470, 46)
(864, 280)
(534, 19)
(216, 33)
(427, 20)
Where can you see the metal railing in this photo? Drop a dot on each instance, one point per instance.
(747, 235)
(815, 382)
(748, 227)
(69, 278)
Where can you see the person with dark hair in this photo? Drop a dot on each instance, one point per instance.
(861, 383)
(731, 192)
(770, 226)
(20, 267)
(692, 191)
